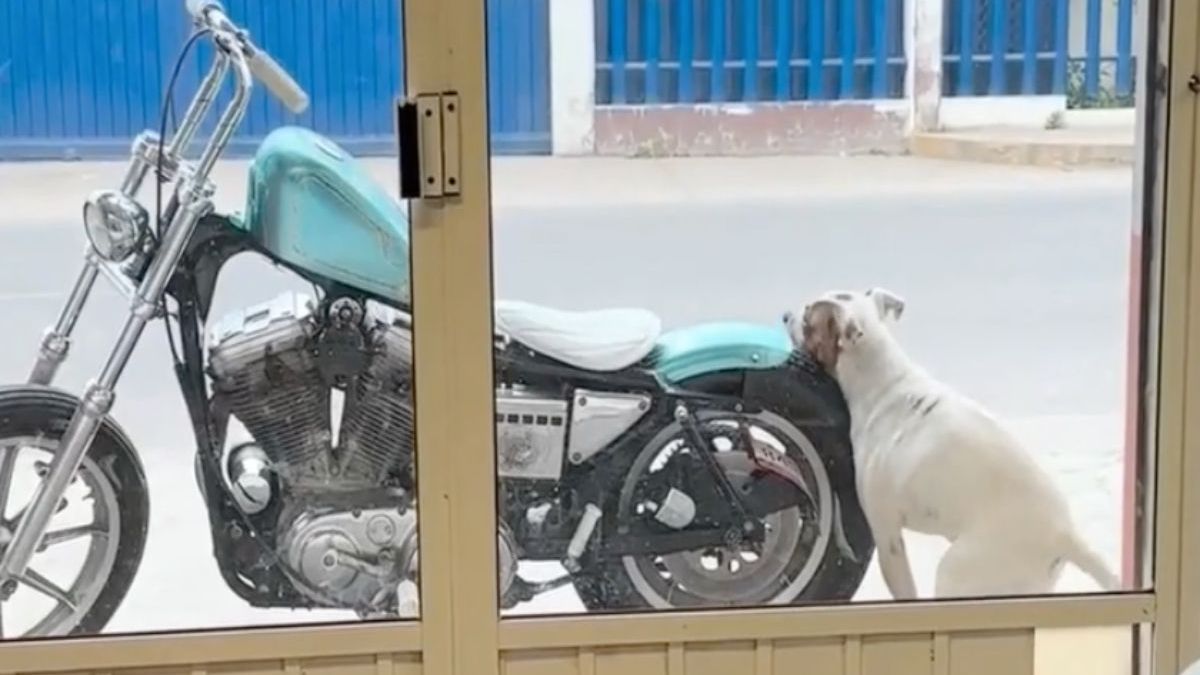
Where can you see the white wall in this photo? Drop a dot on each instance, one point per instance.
(923, 50)
(572, 76)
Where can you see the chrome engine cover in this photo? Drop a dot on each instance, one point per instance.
(260, 362)
(508, 560)
(600, 417)
(531, 433)
(264, 361)
(354, 558)
(531, 429)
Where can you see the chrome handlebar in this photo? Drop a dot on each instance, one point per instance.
(237, 56)
(210, 14)
(234, 52)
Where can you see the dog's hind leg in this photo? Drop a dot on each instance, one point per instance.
(894, 564)
(956, 571)
(889, 542)
(987, 563)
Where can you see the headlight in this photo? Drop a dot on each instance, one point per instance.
(115, 224)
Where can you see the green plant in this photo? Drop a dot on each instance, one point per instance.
(1106, 95)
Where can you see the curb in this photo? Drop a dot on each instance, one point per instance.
(1052, 153)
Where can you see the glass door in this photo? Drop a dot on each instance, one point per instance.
(208, 399)
(703, 336)
(802, 309)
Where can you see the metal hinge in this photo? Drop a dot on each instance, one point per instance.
(427, 130)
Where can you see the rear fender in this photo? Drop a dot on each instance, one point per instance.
(694, 351)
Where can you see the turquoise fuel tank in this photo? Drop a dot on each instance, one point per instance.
(313, 206)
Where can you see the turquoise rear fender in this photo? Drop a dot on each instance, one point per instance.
(708, 348)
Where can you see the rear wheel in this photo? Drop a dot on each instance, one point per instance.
(815, 554)
(94, 543)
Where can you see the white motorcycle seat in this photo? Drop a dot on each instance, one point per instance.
(604, 340)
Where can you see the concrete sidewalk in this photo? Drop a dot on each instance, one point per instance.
(1105, 145)
(38, 192)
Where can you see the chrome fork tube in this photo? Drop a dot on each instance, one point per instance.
(56, 340)
(98, 398)
(199, 106)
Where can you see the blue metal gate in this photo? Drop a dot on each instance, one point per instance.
(1000, 47)
(697, 51)
(80, 78)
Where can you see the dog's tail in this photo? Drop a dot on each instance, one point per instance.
(1083, 556)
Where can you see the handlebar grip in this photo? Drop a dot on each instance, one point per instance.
(275, 78)
(212, 14)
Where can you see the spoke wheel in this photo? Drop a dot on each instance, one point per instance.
(775, 571)
(92, 547)
(817, 552)
(86, 524)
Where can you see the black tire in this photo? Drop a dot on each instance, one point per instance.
(31, 409)
(605, 585)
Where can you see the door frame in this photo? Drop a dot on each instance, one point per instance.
(460, 632)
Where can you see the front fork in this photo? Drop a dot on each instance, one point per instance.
(98, 398)
(195, 202)
(56, 340)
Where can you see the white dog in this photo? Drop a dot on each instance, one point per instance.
(933, 461)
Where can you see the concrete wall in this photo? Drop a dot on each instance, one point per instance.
(582, 128)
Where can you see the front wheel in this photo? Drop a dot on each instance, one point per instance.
(93, 546)
(816, 554)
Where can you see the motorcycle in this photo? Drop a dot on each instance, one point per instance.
(707, 466)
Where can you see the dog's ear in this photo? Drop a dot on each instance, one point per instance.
(822, 339)
(889, 305)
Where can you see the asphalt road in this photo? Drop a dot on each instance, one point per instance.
(1016, 296)
(1020, 299)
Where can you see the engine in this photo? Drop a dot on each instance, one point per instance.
(276, 365)
(341, 522)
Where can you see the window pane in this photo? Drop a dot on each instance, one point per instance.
(755, 351)
(296, 379)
